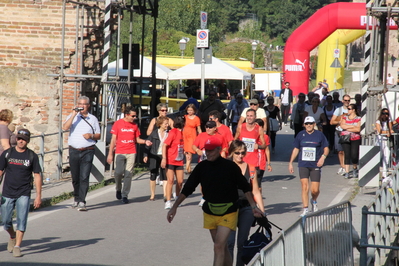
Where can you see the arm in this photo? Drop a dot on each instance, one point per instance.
(250, 197)
(172, 211)
(323, 157)
(294, 154)
(266, 123)
(269, 164)
(378, 128)
(38, 184)
(323, 118)
(5, 143)
(262, 139)
(350, 128)
(256, 192)
(197, 150)
(110, 157)
(199, 131)
(67, 124)
(163, 162)
(334, 121)
(150, 127)
(242, 119)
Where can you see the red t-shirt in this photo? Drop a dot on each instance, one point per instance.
(175, 149)
(250, 138)
(126, 134)
(262, 153)
(203, 137)
(225, 132)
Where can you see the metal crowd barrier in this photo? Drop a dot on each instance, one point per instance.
(324, 238)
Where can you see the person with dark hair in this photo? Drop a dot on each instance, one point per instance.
(336, 102)
(297, 115)
(311, 95)
(220, 179)
(351, 125)
(384, 130)
(237, 152)
(190, 100)
(125, 134)
(234, 110)
(154, 154)
(273, 112)
(209, 104)
(6, 117)
(192, 128)
(328, 129)
(285, 102)
(84, 131)
(221, 128)
(264, 156)
(172, 159)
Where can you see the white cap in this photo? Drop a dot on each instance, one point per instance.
(309, 119)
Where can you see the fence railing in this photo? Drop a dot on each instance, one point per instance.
(321, 238)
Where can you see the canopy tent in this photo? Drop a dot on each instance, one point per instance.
(161, 71)
(217, 70)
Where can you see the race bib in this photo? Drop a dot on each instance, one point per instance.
(250, 143)
(308, 154)
(180, 153)
(203, 156)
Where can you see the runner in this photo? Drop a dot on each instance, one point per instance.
(312, 147)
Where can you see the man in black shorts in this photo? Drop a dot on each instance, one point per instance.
(312, 147)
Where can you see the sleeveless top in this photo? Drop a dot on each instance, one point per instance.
(250, 138)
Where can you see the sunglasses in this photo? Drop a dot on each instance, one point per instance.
(163, 110)
(350, 108)
(307, 124)
(23, 132)
(209, 127)
(21, 139)
(253, 104)
(238, 153)
(133, 115)
(211, 119)
(385, 113)
(346, 100)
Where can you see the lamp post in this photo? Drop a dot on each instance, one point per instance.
(254, 45)
(182, 44)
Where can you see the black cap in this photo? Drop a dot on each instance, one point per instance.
(24, 134)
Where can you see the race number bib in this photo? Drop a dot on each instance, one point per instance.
(180, 153)
(250, 143)
(308, 154)
(203, 156)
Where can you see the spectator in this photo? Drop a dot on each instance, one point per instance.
(319, 89)
(190, 100)
(325, 84)
(223, 91)
(328, 129)
(234, 113)
(390, 80)
(285, 102)
(311, 95)
(209, 104)
(6, 117)
(162, 109)
(336, 102)
(384, 130)
(273, 113)
(351, 125)
(393, 58)
(316, 112)
(297, 115)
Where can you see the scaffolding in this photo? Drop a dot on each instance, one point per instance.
(95, 82)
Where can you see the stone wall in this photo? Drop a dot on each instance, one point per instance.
(30, 49)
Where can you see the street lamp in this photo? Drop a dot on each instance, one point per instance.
(254, 45)
(182, 44)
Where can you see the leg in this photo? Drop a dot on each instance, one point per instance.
(153, 177)
(221, 253)
(315, 190)
(7, 207)
(355, 152)
(188, 162)
(179, 182)
(347, 155)
(120, 165)
(273, 138)
(245, 220)
(22, 210)
(127, 177)
(169, 184)
(305, 192)
(85, 169)
(74, 164)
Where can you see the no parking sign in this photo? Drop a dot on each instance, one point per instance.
(202, 38)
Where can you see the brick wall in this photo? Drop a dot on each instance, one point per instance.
(30, 48)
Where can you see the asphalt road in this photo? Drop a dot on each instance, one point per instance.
(111, 233)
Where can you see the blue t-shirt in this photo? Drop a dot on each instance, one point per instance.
(311, 148)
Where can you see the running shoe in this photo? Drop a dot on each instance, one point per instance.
(81, 207)
(16, 252)
(355, 173)
(74, 205)
(161, 183)
(11, 244)
(314, 206)
(125, 200)
(168, 205)
(341, 171)
(305, 212)
(346, 176)
(201, 203)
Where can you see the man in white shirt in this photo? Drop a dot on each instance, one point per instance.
(285, 102)
(260, 113)
(390, 80)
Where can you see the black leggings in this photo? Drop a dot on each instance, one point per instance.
(273, 138)
(351, 151)
(285, 111)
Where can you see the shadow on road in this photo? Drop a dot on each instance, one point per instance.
(280, 208)
(272, 178)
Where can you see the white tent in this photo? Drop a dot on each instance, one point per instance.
(161, 71)
(217, 70)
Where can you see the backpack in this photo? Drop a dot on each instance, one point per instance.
(255, 243)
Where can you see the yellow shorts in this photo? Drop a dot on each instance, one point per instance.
(229, 220)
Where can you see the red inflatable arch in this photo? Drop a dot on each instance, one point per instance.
(312, 32)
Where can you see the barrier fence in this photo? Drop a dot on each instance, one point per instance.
(322, 238)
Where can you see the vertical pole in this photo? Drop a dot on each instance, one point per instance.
(363, 238)
(154, 56)
(61, 133)
(202, 74)
(104, 78)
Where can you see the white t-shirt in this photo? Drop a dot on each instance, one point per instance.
(390, 80)
(316, 115)
(260, 113)
(338, 112)
(384, 125)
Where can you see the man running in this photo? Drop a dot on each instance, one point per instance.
(312, 147)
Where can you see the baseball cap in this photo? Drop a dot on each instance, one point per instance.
(210, 124)
(309, 119)
(212, 143)
(24, 134)
(255, 101)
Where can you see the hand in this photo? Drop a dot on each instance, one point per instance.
(320, 162)
(290, 168)
(171, 214)
(257, 212)
(148, 143)
(37, 202)
(269, 168)
(145, 159)
(110, 158)
(87, 135)
(163, 163)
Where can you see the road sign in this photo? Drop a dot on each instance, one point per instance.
(202, 38)
(336, 64)
(204, 20)
(336, 53)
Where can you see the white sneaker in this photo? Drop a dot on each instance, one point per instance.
(341, 171)
(174, 196)
(201, 203)
(161, 183)
(168, 205)
(157, 180)
(305, 212)
(314, 206)
(346, 175)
